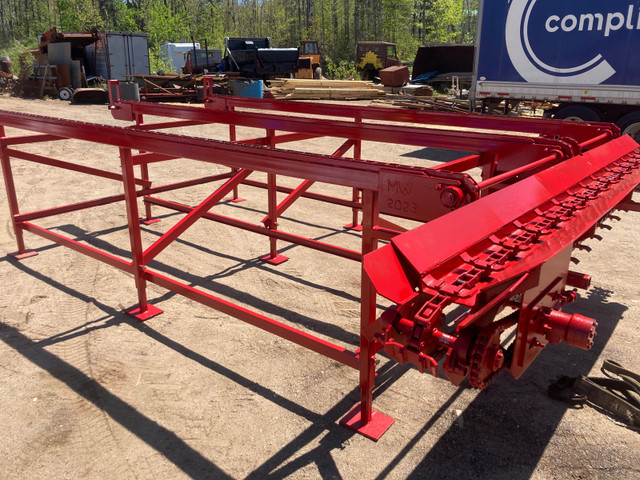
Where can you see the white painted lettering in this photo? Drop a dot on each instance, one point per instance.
(589, 22)
(611, 25)
(569, 23)
(552, 18)
(600, 19)
(586, 17)
(630, 18)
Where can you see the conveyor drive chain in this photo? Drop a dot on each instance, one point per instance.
(463, 277)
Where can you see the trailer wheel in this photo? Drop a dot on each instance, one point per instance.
(578, 113)
(317, 73)
(65, 93)
(630, 125)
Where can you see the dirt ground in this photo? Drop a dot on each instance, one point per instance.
(87, 392)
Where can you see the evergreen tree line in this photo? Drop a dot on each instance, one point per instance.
(337, 24)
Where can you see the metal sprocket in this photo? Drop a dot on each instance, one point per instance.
(487, 357)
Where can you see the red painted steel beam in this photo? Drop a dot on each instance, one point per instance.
(19, 140)
(494, 180)
(12, 197)
(74, 207)
(290, 137)
(417, 136)
(184, 184)
(32, 157)
(80, 248)
(316, 344)
(276, 139)
(49, 212)
(461, 164)
(583, 134)
(192, 217)
(145, 158)
(165, 125)
(143, 311)
(261, 230)
(321, 168)
(306, 185)
(311, 195)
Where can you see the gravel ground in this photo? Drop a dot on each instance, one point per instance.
(88, 392)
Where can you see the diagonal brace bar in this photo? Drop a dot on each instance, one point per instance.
(291, 198)
(180, 227)
(306, 185)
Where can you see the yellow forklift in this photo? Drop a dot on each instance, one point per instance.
(309, 60)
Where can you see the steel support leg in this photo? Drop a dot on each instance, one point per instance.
(355, 195)
(362, 418)
(357, 154)
(355, 225)
(144, 173)
(148, 217)
(235, 197)
(144, 310)
(272, 222)
(13, 203)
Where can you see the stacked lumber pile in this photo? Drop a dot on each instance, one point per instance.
(446, 104)
(303, 89)
(417, 90)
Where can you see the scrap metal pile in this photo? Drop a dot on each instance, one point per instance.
(7, 79)
(477, 286)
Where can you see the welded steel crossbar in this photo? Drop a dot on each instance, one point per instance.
(499, 242)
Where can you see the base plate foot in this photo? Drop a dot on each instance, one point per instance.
(373, 430)
(149, 221)
(236, 200)
(355, 228)
(151, 311)
(277, 260)
(23, 255)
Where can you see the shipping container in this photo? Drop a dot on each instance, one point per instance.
(117, 54)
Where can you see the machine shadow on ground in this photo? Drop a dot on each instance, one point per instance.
(214, 284)
(163, 440)
(191, 462)
(436, 154)
(515, 419)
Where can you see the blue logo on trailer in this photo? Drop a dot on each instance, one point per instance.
(588, 42)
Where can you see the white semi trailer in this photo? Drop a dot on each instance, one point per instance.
(583, 56)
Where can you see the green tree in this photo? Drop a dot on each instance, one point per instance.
(78, 15)
(337, 24)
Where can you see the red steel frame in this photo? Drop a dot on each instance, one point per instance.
(446, 197)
